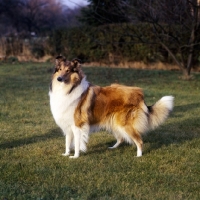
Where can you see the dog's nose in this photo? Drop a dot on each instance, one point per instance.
(59, 79)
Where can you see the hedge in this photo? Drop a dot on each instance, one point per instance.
(113, 43)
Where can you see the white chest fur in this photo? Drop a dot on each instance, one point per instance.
(63, 105)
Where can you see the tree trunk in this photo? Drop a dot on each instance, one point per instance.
(196, 12)
(185, 70)
(191, 50)
(189, 62)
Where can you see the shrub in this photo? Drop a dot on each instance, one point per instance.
(98, 43)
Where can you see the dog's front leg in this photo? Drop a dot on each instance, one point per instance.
(77, 137)
(68, 140)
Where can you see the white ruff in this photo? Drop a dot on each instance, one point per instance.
(63, 105)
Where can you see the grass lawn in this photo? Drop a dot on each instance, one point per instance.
(31, 144)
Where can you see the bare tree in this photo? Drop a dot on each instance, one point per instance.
(9, 13)
(40, 14)
(174, 22)
(32, 15)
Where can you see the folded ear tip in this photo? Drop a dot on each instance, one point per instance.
(77, 60)
(60, 59)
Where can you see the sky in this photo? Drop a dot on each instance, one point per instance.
(75, 3)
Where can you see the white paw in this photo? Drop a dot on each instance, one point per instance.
(111, 147)
(139, 153)
(65, 154)
(73, 156)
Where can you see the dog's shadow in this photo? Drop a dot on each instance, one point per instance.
(54, 133)
(103, 148)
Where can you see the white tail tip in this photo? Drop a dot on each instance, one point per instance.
(169, 102)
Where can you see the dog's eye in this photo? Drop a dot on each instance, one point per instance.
(60, 69)
(67, 70)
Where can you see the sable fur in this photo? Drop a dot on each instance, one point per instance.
(80, 108)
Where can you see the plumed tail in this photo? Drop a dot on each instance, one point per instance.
(159, 112)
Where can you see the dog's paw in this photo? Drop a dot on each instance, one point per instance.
(73, 156)
(139, 153)
(65, 154)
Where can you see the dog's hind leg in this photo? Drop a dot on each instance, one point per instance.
(119, 136)
(119, 141)
(68, 140)
(135, 136)
(139, 144)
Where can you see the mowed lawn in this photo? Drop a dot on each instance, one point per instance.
(31, 144)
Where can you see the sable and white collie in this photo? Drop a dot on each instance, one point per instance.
(80, 108)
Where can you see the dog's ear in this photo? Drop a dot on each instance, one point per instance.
(58, 61)
(76, 66)
(76, 60)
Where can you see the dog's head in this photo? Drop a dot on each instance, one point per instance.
(68, 72)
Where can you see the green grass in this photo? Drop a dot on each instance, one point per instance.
(31, 165)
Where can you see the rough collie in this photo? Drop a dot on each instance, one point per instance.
(80, 108)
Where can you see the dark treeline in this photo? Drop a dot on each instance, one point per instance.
(130, 30)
